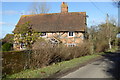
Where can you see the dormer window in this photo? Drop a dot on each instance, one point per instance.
(71, 34)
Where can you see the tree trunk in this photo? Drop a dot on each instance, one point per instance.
(110, 46)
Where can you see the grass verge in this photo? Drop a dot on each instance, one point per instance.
(52, 69)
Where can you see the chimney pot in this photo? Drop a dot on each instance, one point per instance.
(64, 7)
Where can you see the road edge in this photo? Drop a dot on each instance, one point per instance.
(69, 70)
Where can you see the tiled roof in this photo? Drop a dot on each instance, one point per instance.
(71, 21)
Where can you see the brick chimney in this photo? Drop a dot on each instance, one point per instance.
(64, 7)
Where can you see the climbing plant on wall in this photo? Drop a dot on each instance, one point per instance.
(26, 34)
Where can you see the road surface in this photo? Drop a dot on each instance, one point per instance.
(108, 67)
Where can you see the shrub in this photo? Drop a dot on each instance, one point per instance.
(7, 47)
(46, 56)
(8, 38)
(16, 61)
(101, 46)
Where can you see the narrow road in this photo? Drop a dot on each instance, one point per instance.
(108, 67)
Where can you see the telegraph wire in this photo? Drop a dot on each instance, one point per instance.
(97, 7)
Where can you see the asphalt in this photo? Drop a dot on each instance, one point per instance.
(107, 67)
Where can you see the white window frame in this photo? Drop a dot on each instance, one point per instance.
(73, 34)
(43, 36)
(22, 46)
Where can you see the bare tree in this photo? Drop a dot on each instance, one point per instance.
(103, 36)
(116, 3)
(38, 8)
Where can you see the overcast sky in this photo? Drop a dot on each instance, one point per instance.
(11, 12)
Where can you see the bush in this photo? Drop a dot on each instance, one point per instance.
(46, 56)
(101, 46)
(16, 61)
(8, 38)
(7, 47)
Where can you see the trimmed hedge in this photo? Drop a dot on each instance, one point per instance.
(14, 61)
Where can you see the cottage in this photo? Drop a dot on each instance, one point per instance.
(66, 27)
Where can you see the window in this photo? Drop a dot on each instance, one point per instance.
(22, 46)
(43, 34)
(71, 44)
(70, 34)
(54, 41)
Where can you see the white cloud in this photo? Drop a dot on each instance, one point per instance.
(6, 23)
(9, 12)
(12, 12)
